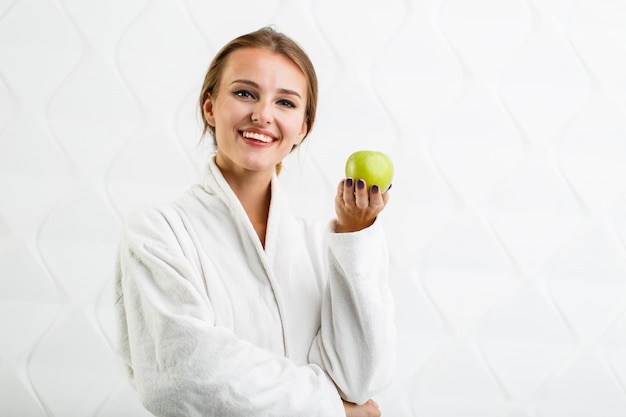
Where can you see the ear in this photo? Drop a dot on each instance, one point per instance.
(207, 110)
(303, 131)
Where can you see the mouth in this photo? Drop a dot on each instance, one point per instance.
(258, 137)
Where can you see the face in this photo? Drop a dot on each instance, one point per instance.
(259, 111)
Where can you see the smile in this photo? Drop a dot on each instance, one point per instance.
(257, 136)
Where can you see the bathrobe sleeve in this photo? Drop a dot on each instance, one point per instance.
(356, 341)
(178, 361)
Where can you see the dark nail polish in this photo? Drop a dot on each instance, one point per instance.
(375, 189)
(360, 184)
(389, 188)
(349, 182)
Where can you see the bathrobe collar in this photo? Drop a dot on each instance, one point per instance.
(215, 183)
(276, 255)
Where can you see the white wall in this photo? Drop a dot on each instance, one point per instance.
(507, 225)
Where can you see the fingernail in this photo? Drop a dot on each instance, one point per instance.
(360, 184)
(374, 189)
(389, 188)
(349, 182)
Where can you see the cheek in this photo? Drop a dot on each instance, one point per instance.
(297, 126)
(225, 120)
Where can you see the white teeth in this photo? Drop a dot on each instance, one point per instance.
(257, 136)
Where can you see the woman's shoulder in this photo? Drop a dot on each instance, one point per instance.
(159, 218)
(148, 223)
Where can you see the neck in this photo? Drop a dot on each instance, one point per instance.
(253, 193)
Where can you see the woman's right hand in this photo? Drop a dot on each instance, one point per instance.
(369, 409)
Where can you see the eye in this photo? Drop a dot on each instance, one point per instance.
(243, 94)
(287, 103)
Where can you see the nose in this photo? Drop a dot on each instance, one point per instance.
(262, 112)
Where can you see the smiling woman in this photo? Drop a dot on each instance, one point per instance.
(229, 306)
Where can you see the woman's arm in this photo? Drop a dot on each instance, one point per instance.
(356, 342)
(179, 362)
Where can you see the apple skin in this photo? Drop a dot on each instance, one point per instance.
(373, 167)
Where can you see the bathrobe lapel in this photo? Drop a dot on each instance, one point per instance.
(269, 258)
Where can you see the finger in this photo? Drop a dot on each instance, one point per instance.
(376, 197)
(361, 195)
(348, 191)
(339, 194)
(386, 195)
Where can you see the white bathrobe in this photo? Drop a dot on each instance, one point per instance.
(212, 324)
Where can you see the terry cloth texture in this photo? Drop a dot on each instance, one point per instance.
(210, 323)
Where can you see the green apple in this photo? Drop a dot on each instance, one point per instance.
(373, 167)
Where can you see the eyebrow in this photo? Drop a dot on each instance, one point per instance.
(255, 85)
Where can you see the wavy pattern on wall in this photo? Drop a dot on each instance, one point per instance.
(507, 226)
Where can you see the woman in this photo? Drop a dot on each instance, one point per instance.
(229, 306)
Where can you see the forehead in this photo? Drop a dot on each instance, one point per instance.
(265, 68)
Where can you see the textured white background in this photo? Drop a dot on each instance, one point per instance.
(507, 123)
